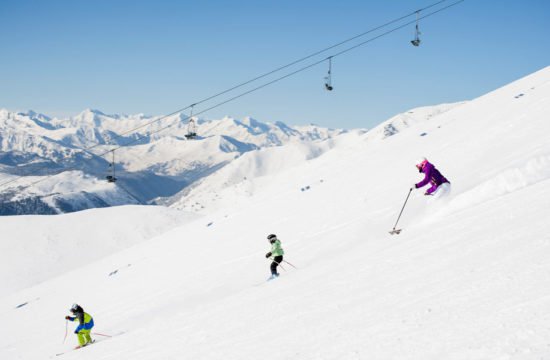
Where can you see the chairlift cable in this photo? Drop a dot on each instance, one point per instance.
(302, 69)
(258, 87)
(397, 28)
(88, 149)
(132, 195)
(272, 71)
(281, 68)
(316, 53)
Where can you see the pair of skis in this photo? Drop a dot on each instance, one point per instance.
(104, 337)
(81, 346)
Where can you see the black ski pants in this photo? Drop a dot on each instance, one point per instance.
(276, 261)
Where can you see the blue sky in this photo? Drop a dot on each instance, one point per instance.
(154, 57)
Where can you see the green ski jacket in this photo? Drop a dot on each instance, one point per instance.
(276, 249)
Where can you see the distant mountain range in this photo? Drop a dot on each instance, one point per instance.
(61, 158)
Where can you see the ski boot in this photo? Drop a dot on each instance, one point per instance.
(273, 276)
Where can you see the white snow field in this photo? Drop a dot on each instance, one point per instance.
(468, 277)
(35, 248)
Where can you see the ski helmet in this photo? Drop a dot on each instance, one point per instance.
(75, 308)
(271, 237)
(421, 162)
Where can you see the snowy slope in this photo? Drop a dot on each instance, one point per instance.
(233, 183)
(410, 118)
(41, 247)
(466, 279)
(239, 181)
(67, 191)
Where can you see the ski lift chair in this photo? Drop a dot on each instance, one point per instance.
(191, 127)
(191, 130)
(191, 135)
(416, 41)
(328, 78)
(111, 177)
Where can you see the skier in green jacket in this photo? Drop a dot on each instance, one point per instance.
(276, 253)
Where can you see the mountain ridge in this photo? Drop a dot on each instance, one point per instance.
(164, 162)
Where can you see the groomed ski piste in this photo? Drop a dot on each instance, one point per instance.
(467, 278)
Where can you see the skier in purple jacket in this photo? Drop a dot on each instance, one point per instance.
(440, 185)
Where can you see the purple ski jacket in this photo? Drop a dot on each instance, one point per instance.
(432, 176)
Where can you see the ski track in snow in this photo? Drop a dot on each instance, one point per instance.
(511, 180)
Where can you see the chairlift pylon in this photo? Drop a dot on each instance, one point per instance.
(416, 41)
(192, 126)
(328, 78)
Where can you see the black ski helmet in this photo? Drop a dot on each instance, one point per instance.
(76, 309)
(271, 237)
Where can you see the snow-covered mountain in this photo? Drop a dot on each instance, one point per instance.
(153, 163)
(467, 278)
(238, 181)
(410, 118)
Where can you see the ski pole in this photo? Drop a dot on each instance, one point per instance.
(101, 334)
(281, 265)
(399, 217)
(66, 326)
(290, 264)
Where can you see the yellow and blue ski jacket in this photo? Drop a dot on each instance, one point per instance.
(86, 321)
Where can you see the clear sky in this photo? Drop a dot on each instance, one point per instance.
(61, 56)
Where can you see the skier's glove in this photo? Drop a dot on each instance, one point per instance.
(268, 255)
(67, 317)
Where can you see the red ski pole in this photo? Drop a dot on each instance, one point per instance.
(66, 326)
(101, 334)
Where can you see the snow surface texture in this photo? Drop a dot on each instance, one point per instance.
(152, 166)
(234, 180)
(35, 248)
(466, 278)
